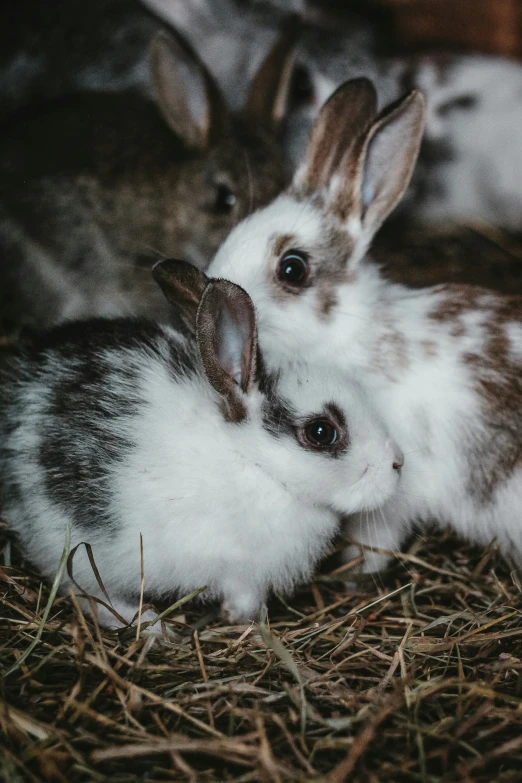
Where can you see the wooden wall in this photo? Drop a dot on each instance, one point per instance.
(485, 25)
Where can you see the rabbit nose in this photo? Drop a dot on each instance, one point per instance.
(398, 460)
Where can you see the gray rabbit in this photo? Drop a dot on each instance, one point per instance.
(98, 186)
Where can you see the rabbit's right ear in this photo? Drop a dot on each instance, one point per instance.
(188, 96)
(183, 286)
(227, 340)
(267, 101)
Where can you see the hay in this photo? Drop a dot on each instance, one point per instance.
(415, 678)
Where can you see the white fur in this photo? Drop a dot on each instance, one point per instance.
(230, 506)
(482, 180)
(412, 365)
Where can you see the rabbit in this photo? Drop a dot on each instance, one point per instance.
(236, 475)
(94, 189)
(443, 365)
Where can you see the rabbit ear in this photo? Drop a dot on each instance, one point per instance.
(267, 101)
(183, 286)
(227, 339)
(188, 96)
(389, 158)
(338, 131)
(360, 162)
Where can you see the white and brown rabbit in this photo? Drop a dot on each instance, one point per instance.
(442, 364)
(235, 476)
(95, 188)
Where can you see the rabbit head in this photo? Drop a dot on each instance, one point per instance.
(232, 162)
(294, 255)
(308, 418)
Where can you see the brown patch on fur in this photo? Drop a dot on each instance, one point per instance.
(390, 355)
(283, 243)
(497, 453)
(327, 299)
(334, 271)
(455, 301)
(458, 331)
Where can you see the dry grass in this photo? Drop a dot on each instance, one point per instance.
(415, 678)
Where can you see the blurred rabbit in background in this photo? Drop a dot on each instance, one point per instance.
(97, 186)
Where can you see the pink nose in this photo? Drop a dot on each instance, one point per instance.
(398, 462)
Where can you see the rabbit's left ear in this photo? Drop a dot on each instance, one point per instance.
(227, 339)
(183, 286)
(187, 94)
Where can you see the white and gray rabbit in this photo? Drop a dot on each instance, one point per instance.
(471, 159)
(442, 364)
(234, 475)
(96, 187)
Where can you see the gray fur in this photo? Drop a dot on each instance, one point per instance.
(97, 187)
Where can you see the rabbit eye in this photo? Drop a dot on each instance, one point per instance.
(321, 434)
(225, 200)
(293, 268)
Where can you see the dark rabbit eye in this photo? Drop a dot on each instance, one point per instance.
(321, 434)
(301, 87)
(293, 268)
(225, 200)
